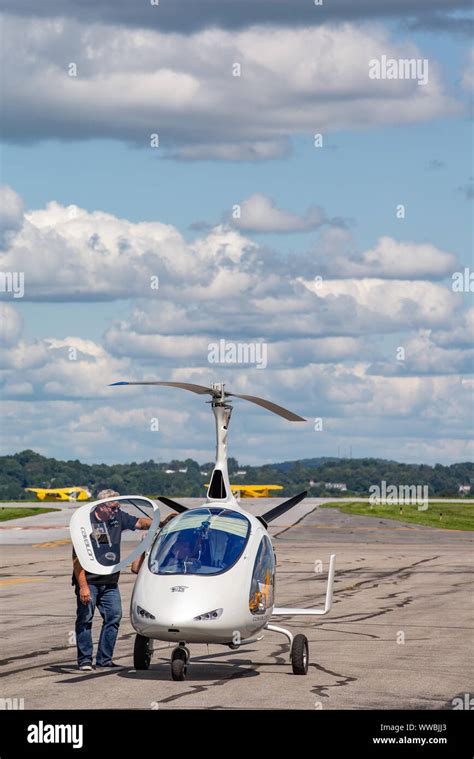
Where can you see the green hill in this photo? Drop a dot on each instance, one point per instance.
(30, 469)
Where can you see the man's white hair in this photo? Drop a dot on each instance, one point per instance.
(107, 494)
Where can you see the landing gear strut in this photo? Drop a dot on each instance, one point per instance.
(299, 649)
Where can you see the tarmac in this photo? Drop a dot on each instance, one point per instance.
(399, 636)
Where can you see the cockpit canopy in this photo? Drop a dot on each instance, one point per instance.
(203, 541)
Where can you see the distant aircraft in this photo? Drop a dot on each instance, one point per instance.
(252, 491)
(61, 494)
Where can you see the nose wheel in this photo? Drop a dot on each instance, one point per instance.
(142, 652)
(179, 662)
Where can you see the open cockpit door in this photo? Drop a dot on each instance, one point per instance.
(102, 532)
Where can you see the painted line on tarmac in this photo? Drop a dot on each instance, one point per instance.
(34, 526)
(51, 544)
(362, 529)
(16, 580)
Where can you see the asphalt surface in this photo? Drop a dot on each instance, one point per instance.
(400, 633)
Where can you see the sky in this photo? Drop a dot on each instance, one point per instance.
(181, 174)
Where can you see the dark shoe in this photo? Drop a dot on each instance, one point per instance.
(110, 665)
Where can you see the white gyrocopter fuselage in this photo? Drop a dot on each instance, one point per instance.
(208, 575)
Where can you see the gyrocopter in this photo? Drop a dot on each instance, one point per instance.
(208, 574)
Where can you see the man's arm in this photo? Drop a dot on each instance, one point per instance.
(167, 519)
(135, 565)
(80, 575)
(143, 523)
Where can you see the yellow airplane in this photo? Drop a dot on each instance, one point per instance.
(61, 494)
(253, 491)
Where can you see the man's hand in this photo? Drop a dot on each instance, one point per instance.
(143, 523)
(85, 594)
(81, 579)
(167, 519)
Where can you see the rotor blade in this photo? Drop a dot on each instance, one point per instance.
(199, 389)
(271, 407)
(172, 504)
(283, 507)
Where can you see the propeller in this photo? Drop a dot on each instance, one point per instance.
(216, 393)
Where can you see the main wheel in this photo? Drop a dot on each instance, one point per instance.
(179, 663)
(142, 652)
(300, 655)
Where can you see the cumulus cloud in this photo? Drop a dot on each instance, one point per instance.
(133, 84)
(336, 255)
(187, 15)
(11, 214)
(260, 214)
(460, 335)
(427, 412)
(423, 357)
(68, 253)
(11, 325)
(402, 303)
(25, 355)
(327, 378)
(326, 338)
(86, 430)
(394, 260)
(53, 368)
(191, 349)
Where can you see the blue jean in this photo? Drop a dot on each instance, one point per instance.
(108, 601)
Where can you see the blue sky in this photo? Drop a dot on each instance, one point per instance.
(308, 211)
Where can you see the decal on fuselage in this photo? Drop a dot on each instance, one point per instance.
(87, 543)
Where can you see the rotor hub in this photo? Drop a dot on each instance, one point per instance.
(218, 392)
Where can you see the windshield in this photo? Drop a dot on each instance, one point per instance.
(202, 541)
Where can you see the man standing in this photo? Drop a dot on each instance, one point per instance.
(102, 591)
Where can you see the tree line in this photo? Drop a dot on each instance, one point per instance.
(31, 469)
